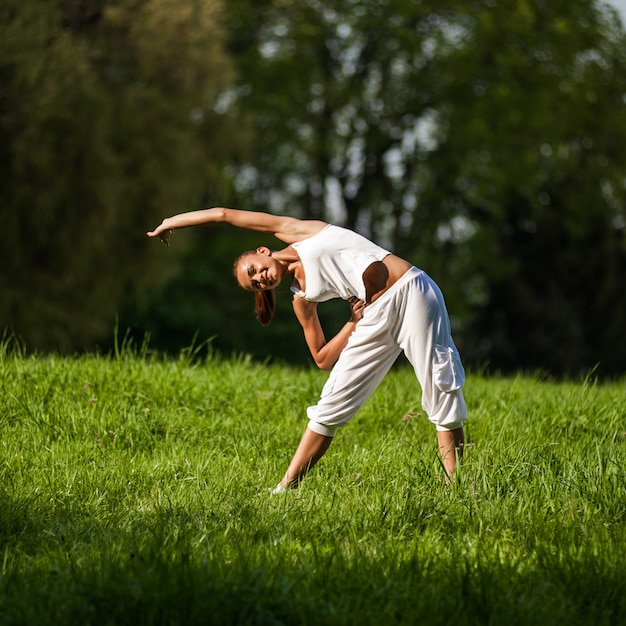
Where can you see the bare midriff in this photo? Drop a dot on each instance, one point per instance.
(381, 275)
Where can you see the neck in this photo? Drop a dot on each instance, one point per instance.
(288, 258)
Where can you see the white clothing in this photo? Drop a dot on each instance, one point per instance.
(334, 261)
(411, 316)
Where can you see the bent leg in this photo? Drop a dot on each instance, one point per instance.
(361, 366)
(310, 450)
(424, 335)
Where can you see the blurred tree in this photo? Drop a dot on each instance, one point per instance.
(339, 92)
(483, 140)
(533, 165)
(108, 121)
(486, 141)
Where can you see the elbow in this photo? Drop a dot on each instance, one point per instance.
(324, 364)
(323, 357)
(222, 214)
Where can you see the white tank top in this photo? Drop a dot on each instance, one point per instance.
(334, 261)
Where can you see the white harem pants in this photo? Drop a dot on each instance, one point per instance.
(411, 317)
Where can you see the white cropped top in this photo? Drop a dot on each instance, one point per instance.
(334, 261)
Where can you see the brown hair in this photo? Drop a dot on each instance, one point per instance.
(264, 301)
(264, 305)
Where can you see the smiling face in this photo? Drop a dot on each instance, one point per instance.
(258, 271)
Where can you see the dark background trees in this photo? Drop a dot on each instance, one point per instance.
(105, 109)
(534, 124)
(484, 141)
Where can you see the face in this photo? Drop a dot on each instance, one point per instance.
(259, 271)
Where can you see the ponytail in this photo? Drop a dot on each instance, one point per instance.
(264, 305)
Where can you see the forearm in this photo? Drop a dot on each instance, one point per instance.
(326, 356)
(325, 353)
(216, 215)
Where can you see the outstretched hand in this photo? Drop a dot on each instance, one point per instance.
(356, 308)
(163, 231)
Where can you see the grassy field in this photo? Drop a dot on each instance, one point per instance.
(134, 490)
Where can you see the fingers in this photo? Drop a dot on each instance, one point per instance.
(163, 234)
(357, 307)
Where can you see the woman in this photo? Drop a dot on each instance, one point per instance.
(395, 307)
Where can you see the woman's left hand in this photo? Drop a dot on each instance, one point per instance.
(356, 307)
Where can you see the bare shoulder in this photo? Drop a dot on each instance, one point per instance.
(304, 309)
(291, 230)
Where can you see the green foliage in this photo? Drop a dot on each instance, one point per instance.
(106, 112)
(531, 169)
(133, 490)
(336, 89)
(485, 141)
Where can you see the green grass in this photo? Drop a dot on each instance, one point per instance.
(134, 490)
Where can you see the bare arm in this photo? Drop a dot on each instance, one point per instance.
(325, 353)
(287, 229)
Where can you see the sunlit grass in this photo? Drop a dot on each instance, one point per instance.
(134, 489)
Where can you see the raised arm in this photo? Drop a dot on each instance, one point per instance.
(287, 229)
(325, 353)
